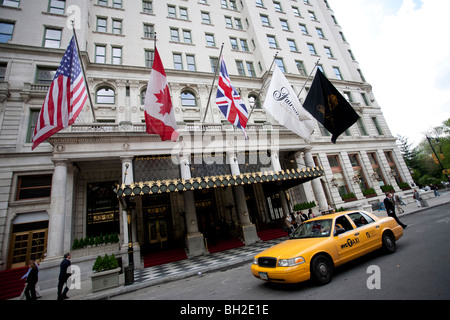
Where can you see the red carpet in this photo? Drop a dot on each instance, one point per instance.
(10, 284)
(158, 258)
(271, 234)
(225, 245)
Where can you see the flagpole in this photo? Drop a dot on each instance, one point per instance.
(264, 83)
(82, 69)
(307, 79)
(214, 80)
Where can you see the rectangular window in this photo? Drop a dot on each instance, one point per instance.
(100, 54)
(377, 126)
(149, 31)
(190, 60)
(45, 75)
(149, 56)
(147, 6)
(244, 45)
(338, 175)
(272, 41)
(52, 38)
(174, 35)
(359, 176)
(116, 55)
(187, 37)
(312, 49)
(101, 24)
(117, 26)
(301, 67)
(328, 52)
(10, 3)
(240, 67)
(338, 74)
(6, 31)
(117, 4)
(378, 175)
(34, 115)
(206, 18)
(280, 64)
(251, 69)
(184, 14)
(34, 187)
(3, 71)
(172, 11)
(214, 63)
(57, 6)
(210, 41)
(177, 61)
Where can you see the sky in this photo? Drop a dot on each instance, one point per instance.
(403, 50)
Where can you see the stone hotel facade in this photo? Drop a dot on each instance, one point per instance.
(109, 176)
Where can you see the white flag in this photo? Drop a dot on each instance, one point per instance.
(282, 103)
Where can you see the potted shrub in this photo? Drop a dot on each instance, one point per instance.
(368, 193)
(349, 197)
(387, 188)
(106, 273)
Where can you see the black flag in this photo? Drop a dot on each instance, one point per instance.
(329, 107)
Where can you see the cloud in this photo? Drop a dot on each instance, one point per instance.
(402, 49)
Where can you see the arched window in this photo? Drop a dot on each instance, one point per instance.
(105, 95)
(188, 99)
(252, 100)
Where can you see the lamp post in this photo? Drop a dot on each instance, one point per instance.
(437, 157)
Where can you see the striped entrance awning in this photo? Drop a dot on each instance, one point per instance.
(289, 178)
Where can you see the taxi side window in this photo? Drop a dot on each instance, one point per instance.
(342, 222)
(360, 219)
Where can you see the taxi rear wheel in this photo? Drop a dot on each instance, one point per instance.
(321, 270)
(388, 241)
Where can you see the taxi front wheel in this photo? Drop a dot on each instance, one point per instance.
(321, 270)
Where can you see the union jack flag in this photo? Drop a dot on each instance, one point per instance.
(65, 98)
(230, 102)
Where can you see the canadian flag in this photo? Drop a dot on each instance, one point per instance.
(158, 109)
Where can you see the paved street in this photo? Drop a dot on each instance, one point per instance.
(418, 270)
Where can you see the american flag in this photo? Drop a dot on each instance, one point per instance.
(65, 99)
(230, 102)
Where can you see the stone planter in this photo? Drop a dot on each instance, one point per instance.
(105, 280)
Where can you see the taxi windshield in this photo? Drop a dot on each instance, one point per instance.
(313, 229)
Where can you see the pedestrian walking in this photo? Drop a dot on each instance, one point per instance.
(32, 279)
(435, 189)
(390, 209)
(398, 204)
(36, 288)
(63, 276)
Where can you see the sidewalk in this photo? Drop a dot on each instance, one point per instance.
(203, 264)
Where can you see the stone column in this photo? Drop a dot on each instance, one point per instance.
(55, 243)
(305, 188)
(316, 185)
(248, 229)
(195, 242)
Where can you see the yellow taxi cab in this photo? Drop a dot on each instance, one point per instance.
(319, 245)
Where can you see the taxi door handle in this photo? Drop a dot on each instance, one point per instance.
(378, 227)
(356, 234)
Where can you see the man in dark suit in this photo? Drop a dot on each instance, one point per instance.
(63, 276)
(389, 204)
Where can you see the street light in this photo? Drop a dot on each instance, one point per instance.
(437, 158)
